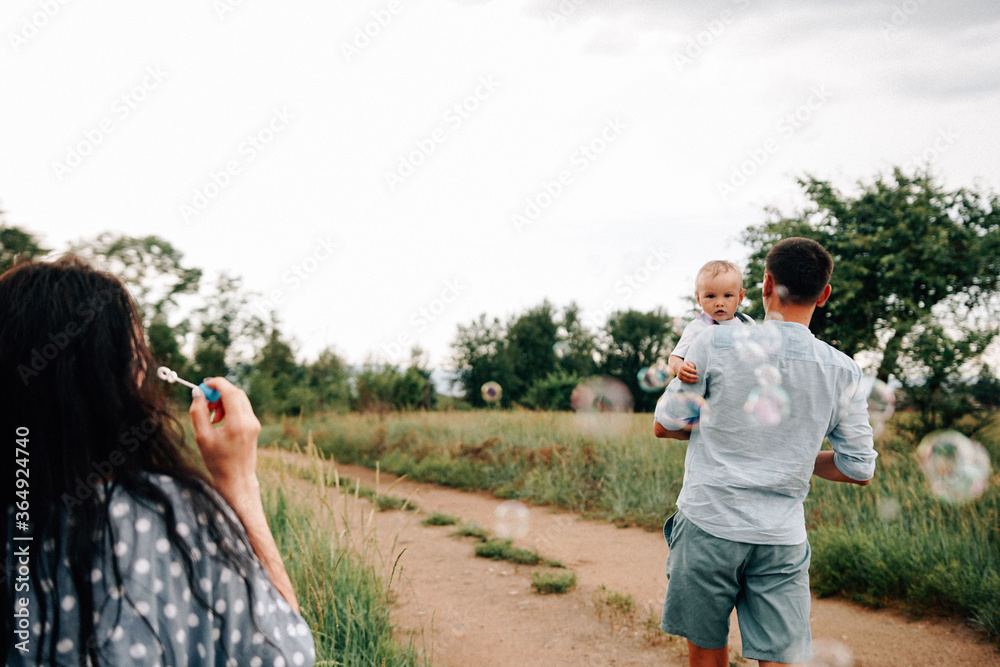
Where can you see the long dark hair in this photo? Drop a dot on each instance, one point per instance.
(79, 394)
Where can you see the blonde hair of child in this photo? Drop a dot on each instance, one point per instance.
(715, 267)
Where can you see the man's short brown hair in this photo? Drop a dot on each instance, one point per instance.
(801, 268)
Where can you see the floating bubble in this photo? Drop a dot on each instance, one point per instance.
(654, 378)
(748, 348)
(561, 349)
(881, 400)
(957, 468)
(512, 520)
(830, 653)
(687, 403)
(601, 394)
(601, 404)
(768, 375)
(888, 509)
(768, 406)
(492, 391)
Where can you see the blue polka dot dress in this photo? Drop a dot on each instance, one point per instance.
(160, 621)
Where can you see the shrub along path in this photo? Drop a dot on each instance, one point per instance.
(472, 611)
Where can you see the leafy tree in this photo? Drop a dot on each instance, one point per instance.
(531, 340)
(577, 345)
(150, 266)
(480, 355)
(277, 383)
(155, 276)
(633, 340)
(226, 322)
(553, 392)
(901, 246)
(17, 243)
(328, 379)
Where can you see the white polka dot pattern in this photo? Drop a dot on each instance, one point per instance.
(162, 621)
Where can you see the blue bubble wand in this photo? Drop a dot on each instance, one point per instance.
(167, 375)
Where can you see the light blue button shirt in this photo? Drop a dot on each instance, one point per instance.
(765, 399)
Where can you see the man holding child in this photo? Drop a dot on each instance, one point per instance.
(738, 539)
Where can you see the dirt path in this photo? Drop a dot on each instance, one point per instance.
(473, 611)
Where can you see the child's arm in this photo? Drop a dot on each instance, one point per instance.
(685, 370)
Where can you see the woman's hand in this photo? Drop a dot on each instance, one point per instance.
(230, 449)
(230, 454)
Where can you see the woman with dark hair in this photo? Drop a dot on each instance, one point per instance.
(119, 547)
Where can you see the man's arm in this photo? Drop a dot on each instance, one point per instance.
(825, 468)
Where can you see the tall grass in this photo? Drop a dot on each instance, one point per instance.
(891, 542)
(341, 590)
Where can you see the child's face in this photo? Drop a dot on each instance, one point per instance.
(719, 295)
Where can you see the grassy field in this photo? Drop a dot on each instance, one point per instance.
(890, 543)
(342, 594)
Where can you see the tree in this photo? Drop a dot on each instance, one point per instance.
(277, 383)
(152, 270)
(531, 340)
(149, 265)
(901, 246)
(480, 355)
(916, 281)
(226, 324)
(632, 341)
(16, 243)
(577, 346)
(328, 377)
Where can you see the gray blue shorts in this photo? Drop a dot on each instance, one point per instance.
(767, 584)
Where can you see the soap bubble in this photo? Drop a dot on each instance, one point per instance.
(561, 349)
(601, 394)
(653, 378)
(686, 403)
(888, 509)
(492, 391)
(512, 520)
(957, 468)
(768, 405)
(880, 398)
(601, 404)
(830, 653)
(768, 375)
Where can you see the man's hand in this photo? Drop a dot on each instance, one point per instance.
(826, 469)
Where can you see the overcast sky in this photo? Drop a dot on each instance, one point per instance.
(383, 171)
